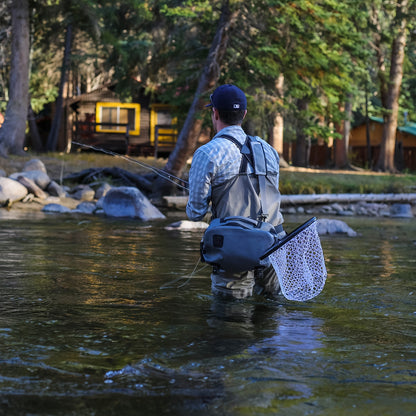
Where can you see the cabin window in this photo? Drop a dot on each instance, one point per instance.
(115, 117)
(162, 124)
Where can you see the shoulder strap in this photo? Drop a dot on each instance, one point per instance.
(253, 153)
(244, 150)
(260, 169)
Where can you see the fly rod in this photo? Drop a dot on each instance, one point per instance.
(162, 173)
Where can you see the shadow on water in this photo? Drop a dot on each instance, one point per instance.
(101, 316)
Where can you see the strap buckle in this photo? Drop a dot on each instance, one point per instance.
(262, 217)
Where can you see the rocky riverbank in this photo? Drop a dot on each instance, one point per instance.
(33, 189)
(359, 208)
(367, 205)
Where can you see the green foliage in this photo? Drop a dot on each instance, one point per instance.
(377, 23)
(41, 95)
(324, 49)
(310, 44)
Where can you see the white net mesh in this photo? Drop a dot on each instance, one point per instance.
(300, 265)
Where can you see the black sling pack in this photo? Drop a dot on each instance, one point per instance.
(235, 244)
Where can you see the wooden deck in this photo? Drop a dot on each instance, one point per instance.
(124, 143)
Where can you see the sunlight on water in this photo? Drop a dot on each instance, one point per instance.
(101, 316)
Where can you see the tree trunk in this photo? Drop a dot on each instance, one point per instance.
(302, 151)
(367, 130)
(276, 133)
(34, 132)
(341, 145)
(379, 49)
(191, 129)
(12, 133)
(56, 123)
(388, 140)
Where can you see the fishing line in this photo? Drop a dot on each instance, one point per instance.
(188, 278)
(162, 173)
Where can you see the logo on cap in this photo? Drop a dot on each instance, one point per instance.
(228, 97)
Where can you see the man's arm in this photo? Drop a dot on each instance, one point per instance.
(200, 176)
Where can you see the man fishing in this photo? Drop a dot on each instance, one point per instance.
(216, 178)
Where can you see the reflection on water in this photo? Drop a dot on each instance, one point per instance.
(97, 317)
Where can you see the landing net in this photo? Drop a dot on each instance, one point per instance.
(300, 265)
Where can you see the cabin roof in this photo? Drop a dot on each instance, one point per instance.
(409, 127)
(95, 95)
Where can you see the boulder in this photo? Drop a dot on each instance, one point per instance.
(11, 191)
(56, 208)
(99, 204)
(401, 211)
(326, 226)
(55, 189)
(83, 193)
(34, 164)
(126, 201)
(40, 178)
(102, 190)
(85, 207)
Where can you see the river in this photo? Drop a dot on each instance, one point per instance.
(104, 316)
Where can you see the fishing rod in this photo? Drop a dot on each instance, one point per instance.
(162, 173)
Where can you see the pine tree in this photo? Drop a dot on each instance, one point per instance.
(12, 133)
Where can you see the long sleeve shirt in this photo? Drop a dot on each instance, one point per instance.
(217, 162)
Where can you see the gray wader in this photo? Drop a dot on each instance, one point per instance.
(240, 196)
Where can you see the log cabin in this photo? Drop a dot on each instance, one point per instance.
(99, 118)
(365, 151)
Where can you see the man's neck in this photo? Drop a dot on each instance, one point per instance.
(222, 126)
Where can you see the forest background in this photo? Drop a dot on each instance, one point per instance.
(310, 69)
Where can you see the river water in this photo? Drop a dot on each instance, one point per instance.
(108, 317)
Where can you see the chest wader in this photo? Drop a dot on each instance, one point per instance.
(253, 195)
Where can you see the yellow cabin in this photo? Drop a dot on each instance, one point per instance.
(100, 119)
(405, 144)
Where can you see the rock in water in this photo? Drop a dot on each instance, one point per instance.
(401, 211)
(56, 208)
(126, 201)
(186, 225)
(326, 226)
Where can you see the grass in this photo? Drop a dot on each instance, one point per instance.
(312, 181)
(292, 180)
(59, 165)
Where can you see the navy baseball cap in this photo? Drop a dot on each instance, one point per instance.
(228, 97)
